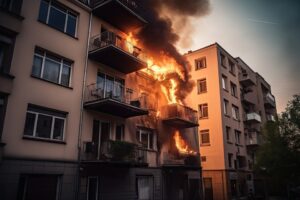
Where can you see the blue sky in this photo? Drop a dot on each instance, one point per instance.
(264, 33)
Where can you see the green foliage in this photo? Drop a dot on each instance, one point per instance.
(121, 150)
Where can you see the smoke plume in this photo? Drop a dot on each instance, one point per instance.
(159, 38)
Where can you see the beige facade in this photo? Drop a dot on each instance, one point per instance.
(231, 113)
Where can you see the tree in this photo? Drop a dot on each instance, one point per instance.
(278, 158)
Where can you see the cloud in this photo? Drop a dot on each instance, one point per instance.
(262, 21)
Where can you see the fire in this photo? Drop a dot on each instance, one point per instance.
(181, 144)
(131, 42)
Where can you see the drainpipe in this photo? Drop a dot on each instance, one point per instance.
(81, 107)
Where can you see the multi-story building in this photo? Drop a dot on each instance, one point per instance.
(79, 120)
(233, 103)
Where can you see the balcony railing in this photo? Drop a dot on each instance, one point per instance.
(13, 6)
(115, 151)
(246, 79)
(115, 99)
(269, 100)
(179, 116)
(254, 140)
(172, 160)
(252, 117)
(115, 51)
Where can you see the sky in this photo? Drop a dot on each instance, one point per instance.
(264, 33)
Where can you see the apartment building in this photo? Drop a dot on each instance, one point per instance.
(233, 103)
(79, 120)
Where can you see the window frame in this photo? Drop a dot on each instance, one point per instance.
(204, 132)
(199, 82)
(223, 60)
(225, 107)
(88, 185)
(229, 159)
(202, 62)
(232, 67)
(238, 135)
(224, 81)
(151, 181)
(66, 10)
(233, 89)
(228, 133)
(235, 112)
(149, 133)
(46, 55)
(201, 108)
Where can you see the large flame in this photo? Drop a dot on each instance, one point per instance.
(131, 42)
(181, 144)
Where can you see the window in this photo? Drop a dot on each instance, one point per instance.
(223, 60)
(204, 137)
(203, 158)
(146, 138)
(120, 130)
(92, 188)
(237, 136)
(13, 6)
(39, 186)
(200, 63)
(110, 87)
(6, 52)
(231, 67)
(233, 89)
(230, 155)
(202, 86)
(208, 188)
(3, 102)
(144, 187)
(235, 112)
(58, 17)
(44, 123)
(51, 68)
(228, 130)
(225, 106)
(203, 111)
(224, 82)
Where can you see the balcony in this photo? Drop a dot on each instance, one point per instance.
(246, 79)
(115, 100)
(269, 101)
(270, 118)
(126, 15)
(179, 116)
(248, 99)
(180, 160)
(252, 117)
(253, 140)
(114, 51)
(114, 152)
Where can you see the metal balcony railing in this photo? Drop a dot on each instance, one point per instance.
(13, 6)
(110, 38)
(179, 111)
(115, 151)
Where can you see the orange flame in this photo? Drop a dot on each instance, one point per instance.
(181, 144)
(131, 42)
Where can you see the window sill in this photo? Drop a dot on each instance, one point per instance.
(51, 82)
(226, 115)
(236, 120)
(225, 90)
(44, 140)
(74, 37)
(204, 145)
(200, 118)
(200, 68)
(228, 142)
(202, 92)
(7, 75)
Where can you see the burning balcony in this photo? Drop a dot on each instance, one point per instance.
(252, 117)
(115, 152)
(269, 101)
(116, 52)
(246, 79)
(179, 116)
(116, 100)
(123, 14)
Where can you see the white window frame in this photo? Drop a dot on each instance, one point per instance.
(224, 82)
(199, 82)
(66, 19)
(201, 110)
(235, 112)
(225, 106)
(52, 126)
(203, 132)
(149, 133)
(61, 65)
(88, 185)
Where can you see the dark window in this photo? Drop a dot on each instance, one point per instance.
(203, 110)
(3, 102)
(200, 63)
(40, 186)
(228, 130)
(225, 106)
(203, 158)
(13, 6)
(202, 86)
(51, 68)
(231, 67)
(6, 52)
(235, 112)
(230, 155)
(223, 60)
(120, 132)
(233, 188)
(208, 188)
(145, 188)
(205, 137)
(233, 89)
(42, 123)
(237, 136)
(58, 17)
(92, 193)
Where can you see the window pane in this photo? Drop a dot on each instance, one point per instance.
(145, 189)
(37, 66)
(65, 75)
(29, 124)
(44, 124)
(51, 70)
(43, 11)
(58, 129)
(119, 132)
(92, 188)
(57, 18)
(71, 25)
(144, 139)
